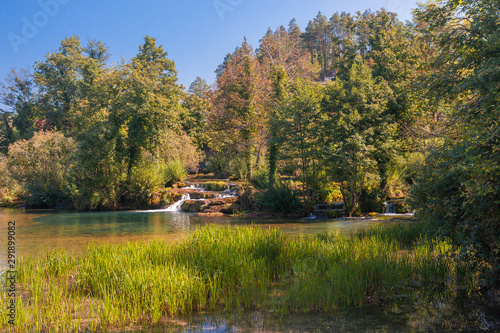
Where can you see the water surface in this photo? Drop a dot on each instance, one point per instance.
(39, 230)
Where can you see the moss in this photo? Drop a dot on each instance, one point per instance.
(193, 206)
(215, 186)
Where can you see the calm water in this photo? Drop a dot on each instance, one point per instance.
(37, 231)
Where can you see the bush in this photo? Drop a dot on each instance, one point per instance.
(219, 166)
(239, 168)
(43, 196)
(370, 202)
(279, 199)
(328, 192)
(174, 171)
(9, 187)
(449, 195)
(215, 186)
(43, 164)
(261, 178)
(144, 180)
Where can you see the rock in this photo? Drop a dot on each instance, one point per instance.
(192, 206)
(217, 205)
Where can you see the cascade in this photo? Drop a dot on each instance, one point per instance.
(390, 208)
(176, 207)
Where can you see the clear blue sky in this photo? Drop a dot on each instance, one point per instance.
(197, 34)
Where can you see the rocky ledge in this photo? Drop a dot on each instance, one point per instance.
(217, 206)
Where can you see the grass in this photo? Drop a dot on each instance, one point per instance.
(227, 269)
(215, 186)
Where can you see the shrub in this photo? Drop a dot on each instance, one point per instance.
(279, 199)
(43, 164)
(215, 186)
(219, 166)
(174, 171)
(261, 178)
(144, 180)
(370, 202)
(239, 168)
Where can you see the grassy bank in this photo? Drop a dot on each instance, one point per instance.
(228, 269)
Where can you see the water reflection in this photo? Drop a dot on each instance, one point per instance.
(37, 231)
(443, 316)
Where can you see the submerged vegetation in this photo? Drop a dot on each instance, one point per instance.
(232, 270)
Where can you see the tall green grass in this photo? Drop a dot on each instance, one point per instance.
(226, 269)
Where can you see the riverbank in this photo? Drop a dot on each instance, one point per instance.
(218, 269)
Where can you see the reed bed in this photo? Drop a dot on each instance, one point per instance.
(226, 269)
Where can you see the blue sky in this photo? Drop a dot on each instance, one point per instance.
(197, 34)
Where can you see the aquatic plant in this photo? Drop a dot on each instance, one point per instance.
(227, 269)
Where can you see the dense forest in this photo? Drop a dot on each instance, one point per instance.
(356, 108)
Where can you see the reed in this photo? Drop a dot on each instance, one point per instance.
(227, 269)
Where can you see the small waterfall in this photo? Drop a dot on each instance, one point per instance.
(176, 207)
(390, 208)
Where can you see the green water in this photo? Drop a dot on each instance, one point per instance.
(37, 231)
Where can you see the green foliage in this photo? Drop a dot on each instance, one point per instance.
(231, 269)
(42, 164)
(215, 186)
(358, 130)
(9, 186)
(239, 167)
(302, 133)
(144, 181)
(261, 178)
(219, 165)
(370, 201)
(281, 198)
(173, 172)
(458, 188)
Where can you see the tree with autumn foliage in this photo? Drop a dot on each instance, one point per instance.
(238, 115)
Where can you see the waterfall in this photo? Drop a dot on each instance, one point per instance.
(176, 207)
(390, 208)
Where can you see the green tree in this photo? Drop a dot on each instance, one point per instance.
(317, 39)
(19, 94)
(149, 102)
(302, 125)
(357, 129)
(459, 191)
(195, 109)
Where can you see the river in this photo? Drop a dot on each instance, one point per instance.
(37, 231)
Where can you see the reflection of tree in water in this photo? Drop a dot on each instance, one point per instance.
(180, 222)
(455, 313)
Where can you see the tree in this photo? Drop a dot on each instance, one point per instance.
(237, 114)
(356, 130)
(194, 115)
(462, 177)
(19, 94)
(302, 125)
(284, 48)
(317, 38)
(149, 102)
